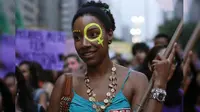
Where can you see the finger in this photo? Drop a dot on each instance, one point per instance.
(155, 64)
(161, 57)
(155, 61)
(171, 72)
(188, 59)
(172, 54)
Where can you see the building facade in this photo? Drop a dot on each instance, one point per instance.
(68, 9)
(9, 11)
(193, 11)
(29, 11)
(49, 14)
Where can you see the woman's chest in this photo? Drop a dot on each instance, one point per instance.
(101, 90)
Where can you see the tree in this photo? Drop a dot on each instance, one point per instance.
(170, 26)
(18, 18)
(4, 24)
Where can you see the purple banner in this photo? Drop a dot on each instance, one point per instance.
(41, 46)
(7, 54)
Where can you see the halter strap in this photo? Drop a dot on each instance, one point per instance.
(127, 76)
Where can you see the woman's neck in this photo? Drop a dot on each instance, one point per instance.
(101, 69)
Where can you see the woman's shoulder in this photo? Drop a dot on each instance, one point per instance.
(133, 74)
(135, 77)
(68, 76)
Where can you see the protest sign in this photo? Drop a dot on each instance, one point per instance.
(41, 46)
(7, 54)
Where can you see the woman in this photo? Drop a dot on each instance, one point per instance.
(6, 102)
(11, 83)
(91, 92)
(173, 102)
(41, 97)
(24, 98)
(31, 71)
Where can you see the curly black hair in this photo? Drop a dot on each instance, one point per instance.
(140, 47)
(25, 98)
(36, 70)
(7, 101)
(108, 23)
(162, 35)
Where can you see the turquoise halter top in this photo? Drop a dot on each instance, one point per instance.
(120, 102)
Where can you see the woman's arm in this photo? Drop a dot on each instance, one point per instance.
(161, 76)
(54, 105)
(141, 87)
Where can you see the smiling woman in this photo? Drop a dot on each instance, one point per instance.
(105, 86)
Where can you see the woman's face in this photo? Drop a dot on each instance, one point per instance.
(24, 68)
(91, 52)
(11, 84)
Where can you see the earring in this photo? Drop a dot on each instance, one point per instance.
(110, 41)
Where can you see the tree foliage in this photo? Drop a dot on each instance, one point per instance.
(170, 26)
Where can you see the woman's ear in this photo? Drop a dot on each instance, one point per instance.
(110, 36)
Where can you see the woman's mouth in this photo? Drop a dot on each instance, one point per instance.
(88, 54)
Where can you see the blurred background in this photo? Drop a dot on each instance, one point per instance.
(137, 21)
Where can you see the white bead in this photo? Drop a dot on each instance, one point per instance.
(108, 94)
(103, 107)
(89, 90)
(113, 68)
(105, 100)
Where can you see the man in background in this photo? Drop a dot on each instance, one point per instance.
(71, 63)
(139, 52)
(161, 39)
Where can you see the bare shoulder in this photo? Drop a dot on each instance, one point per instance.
(75, 77)
(135, 78)
(138, 76)
(57, 94)
(61, 80)
(138, 79)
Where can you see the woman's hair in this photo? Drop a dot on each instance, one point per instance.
(25, 98)
(9, 74)
(36, 70)
(140, 47)
(7, 99)
(148, 60)
(173, 95)
(99, 10)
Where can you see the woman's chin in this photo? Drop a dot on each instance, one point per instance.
(91, 62)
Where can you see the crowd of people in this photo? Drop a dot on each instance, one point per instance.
(33, 89)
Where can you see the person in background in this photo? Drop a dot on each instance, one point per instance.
(56, 74)
(48, 87)
(173, 102)
(161, 39)
(11, 83)
(24, 100)
(31, 71)
(196, 61)
(139, 51)
(197, 107)
(193, 89)
(121, 61)
(41, 97)
(71, 63)
(6, 100)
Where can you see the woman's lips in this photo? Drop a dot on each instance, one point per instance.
(88, 54)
